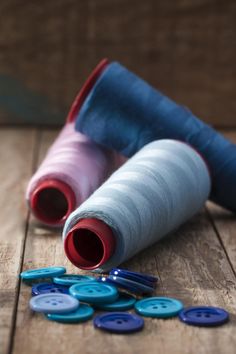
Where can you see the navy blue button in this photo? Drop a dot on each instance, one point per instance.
(145, 279)
(204, 316)
(45, 288)
(123, 303)
(110, 280)
(130, 285)
(83, 313)
(48, 272)
(119, 322)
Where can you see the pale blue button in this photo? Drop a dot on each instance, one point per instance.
(123, 303)
(161, 307)
(94, 292)
(71, 279)
(83, 313)
(54, 303)
(42, 273)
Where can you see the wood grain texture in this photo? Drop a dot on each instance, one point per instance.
(187, 49)
(225, 222)
(192, 266)
(16, 159)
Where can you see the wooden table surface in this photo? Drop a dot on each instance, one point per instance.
(197, 265)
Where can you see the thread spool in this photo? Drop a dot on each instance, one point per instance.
(152, 194)
(72, 169)
(54, 192)
(124, 113)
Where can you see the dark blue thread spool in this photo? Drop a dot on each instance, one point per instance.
(125, 113)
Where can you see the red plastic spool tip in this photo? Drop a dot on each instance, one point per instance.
(89, 244)
(52, 201)
(86, 88)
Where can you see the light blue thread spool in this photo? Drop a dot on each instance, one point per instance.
(152, 194)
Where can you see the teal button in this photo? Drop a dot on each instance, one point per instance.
(94, 292)
(82, 314)
(71, 279)
(49, 272)
(161, 307)
(123, 303)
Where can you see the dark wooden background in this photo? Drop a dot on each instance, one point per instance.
(186, 48)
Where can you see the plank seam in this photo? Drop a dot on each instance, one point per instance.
(35, 157)
(211, 219)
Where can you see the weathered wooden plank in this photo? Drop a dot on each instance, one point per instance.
(225, 222)
(185, 48)
(16, 158)
(192, 266)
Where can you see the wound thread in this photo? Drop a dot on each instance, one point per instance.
(152, 194)
(124, 113)
(73, 168)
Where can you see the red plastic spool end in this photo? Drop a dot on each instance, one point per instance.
(86, 88)
(89, 244)
(52, 201)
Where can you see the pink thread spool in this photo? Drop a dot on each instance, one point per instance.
(72, 169)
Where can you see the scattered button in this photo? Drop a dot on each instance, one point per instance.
(119, 322)
(71, 279)
(42, 273)
(53, 303)
(135, 276)
(94, 292)
(83, 313)
(45, 288)
(123, 303)
(161, 307)
(130, 285)
(204, 316)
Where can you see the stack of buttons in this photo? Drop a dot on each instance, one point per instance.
(73, 298)
(53, 298)
(133, 282)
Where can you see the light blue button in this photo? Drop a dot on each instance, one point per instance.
(42, 273)
(94, 292)
(54, 303)
(83, 313)
(123, 303)
(161, 307)
(71, 279)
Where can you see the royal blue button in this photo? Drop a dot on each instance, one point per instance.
(145, 279)
(71, 279)
(130, 285)
(45, 288)
(161, 307)
(83, 313)
(42, 273)
(54, 303)
(119, 322)
(123, 303)
(94, 292)
(204, 316)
